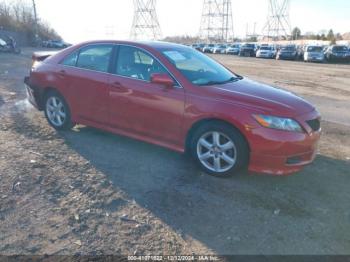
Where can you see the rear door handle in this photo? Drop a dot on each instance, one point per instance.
(62, 73)
(117, 85)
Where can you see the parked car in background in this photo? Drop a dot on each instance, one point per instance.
(288, 52)
(233, 49)
(225, 122)
(219, 49)
(200, 47)
(208, 48)
(248, 50)
(2, 42)
(9, 45)
(266, 52)
(314, 54)
(337, 53)
(56, 44)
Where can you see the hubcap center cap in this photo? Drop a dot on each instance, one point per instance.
(216, 150)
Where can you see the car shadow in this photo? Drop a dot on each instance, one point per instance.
(307, 213)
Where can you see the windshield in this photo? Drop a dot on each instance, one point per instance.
(288, 48)
(249, 45)
(315, 49)
(265, 48)
(198, 68)
(340, 48)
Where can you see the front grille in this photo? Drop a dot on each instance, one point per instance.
(315, 124)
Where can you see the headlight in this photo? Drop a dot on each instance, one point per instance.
(286, 124)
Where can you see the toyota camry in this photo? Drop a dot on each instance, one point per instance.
(176, 97)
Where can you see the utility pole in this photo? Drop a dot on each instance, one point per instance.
(36, 23)
(145, 25)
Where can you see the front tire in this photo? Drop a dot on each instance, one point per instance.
(219, 149)
(57, 111)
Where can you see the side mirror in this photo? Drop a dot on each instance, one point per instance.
(162, 79)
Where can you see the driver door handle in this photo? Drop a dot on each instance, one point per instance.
(118, 87)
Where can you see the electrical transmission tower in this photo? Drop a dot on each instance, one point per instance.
(278, 22)
(145, 25)
(217, 21)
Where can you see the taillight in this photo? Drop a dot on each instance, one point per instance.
(35, 64)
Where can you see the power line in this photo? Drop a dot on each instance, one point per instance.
(278, 21)
(217, 21)
(145, 25)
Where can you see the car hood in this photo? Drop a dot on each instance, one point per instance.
(265, 98)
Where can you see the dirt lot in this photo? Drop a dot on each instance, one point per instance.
(90, 192)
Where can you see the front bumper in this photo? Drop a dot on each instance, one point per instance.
(317, 59)
(247, 53)
(281, 153)
(314, 58)
(341, 58)
(268, 55)
(286, 56)
(232, 52)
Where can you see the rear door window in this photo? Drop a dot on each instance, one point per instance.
(95, 57)
(71, 60)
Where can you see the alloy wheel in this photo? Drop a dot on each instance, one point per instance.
(55, 111)
(216, 151)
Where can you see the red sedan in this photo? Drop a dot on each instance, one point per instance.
(174, 96)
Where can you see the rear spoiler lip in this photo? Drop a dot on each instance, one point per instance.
(42, 55)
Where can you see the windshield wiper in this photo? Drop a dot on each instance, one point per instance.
(211, 83)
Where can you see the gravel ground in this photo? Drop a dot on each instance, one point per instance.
(89, 192)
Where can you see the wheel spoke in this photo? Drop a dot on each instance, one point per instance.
(205, 143)
(54, 101)
(60, 105)
(62, 114)
(50, 115)
(216, 138)
(58, 119)
(217, 164)
(205, 156)
(229, 145)
(227, 159)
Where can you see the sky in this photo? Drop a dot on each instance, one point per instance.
(80, 20)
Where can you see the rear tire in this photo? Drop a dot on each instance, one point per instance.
(219, 149)
(57, 111)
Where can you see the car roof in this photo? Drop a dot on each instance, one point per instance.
(152, 44)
